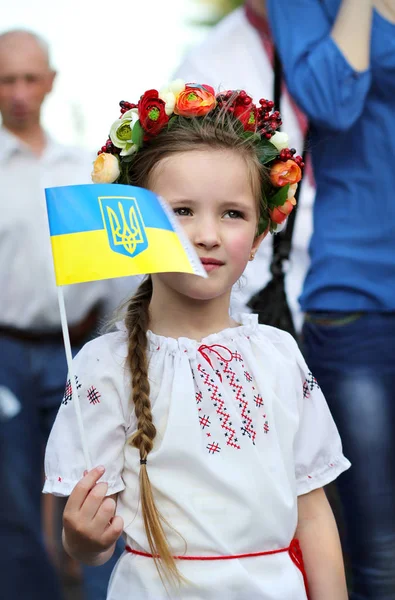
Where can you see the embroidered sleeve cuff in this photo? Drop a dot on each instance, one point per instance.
(320, 477)
(64, 487)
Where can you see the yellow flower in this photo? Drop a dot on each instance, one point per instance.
(105, 169)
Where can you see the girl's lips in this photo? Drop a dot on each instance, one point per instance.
(210, 264)
(211, 261)
(210, 267)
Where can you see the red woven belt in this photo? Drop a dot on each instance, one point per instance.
(293, 550)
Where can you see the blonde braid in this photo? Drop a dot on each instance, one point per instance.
(137, 320)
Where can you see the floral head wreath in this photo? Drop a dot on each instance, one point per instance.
(141, 122)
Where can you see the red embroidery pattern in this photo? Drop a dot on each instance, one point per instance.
(220, 407)
(198, 397)
(93, 395)
(213, 448)
(204, 421)
(68, 393)
(258, 400)
(248, 376)
(266, 426)
(309, 384)
(243, 404)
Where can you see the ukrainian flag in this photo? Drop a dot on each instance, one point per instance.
(100, 231)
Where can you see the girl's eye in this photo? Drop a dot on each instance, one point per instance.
(182, 211)
(234, 214)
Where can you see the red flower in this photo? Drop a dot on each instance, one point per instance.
(152, 113)
(286, 172)
(195, 101)
(245, 110)
(280, 213)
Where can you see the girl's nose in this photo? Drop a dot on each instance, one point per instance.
(207, 234)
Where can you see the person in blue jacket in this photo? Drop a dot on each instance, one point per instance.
(339, 63)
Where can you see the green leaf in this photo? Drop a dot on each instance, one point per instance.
(262, 225)
(250, 134)
(172, 121)
(127, 159)
(137, 134)
(267, 151)
(279, 197)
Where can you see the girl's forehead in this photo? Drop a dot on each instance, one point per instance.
(214, 176)
(201, 168)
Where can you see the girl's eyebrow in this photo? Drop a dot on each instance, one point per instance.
(182, 201)
(241, 204)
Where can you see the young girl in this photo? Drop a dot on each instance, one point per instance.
(214, 437)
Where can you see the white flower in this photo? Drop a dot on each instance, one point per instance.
(280, 139)
(121, 132)
(170, 101)
(177, 86)
(169, 94)
(292, 191)
(105, 169)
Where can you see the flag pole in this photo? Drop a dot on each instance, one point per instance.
(73, 382)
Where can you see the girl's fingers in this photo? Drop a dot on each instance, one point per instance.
(105, 514)
(93, 501)
(113, 532)
(83, 488)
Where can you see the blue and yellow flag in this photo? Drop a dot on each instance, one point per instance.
(100, 231)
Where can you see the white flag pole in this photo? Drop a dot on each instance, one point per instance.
(69, 358)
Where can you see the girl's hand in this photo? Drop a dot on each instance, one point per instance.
(90, 525)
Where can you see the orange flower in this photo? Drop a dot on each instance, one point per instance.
(286, 172)
(195, 101)
(280, 213)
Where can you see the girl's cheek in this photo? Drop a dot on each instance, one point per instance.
(241, 247)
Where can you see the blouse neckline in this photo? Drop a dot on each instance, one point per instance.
(248, 324)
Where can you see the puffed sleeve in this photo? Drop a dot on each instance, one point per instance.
(318, 449)
(103, 392)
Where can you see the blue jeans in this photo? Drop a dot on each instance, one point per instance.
(35, 374)
(96, 578)
(353, 358)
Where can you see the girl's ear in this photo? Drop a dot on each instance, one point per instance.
(258, 240)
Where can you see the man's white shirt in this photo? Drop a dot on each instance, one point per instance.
(28, 294)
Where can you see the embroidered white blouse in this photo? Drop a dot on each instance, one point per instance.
(242, 430)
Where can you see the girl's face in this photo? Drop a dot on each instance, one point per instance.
(210, 193)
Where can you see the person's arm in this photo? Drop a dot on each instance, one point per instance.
(386, 8)
(326, 63)
(319, 540)
(383, 48)
(352, 30)
(90, 527)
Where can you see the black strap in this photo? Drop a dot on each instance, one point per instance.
(282, 242)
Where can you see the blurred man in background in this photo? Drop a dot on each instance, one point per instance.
(339, 62)
(238, 54)
(32, 359)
